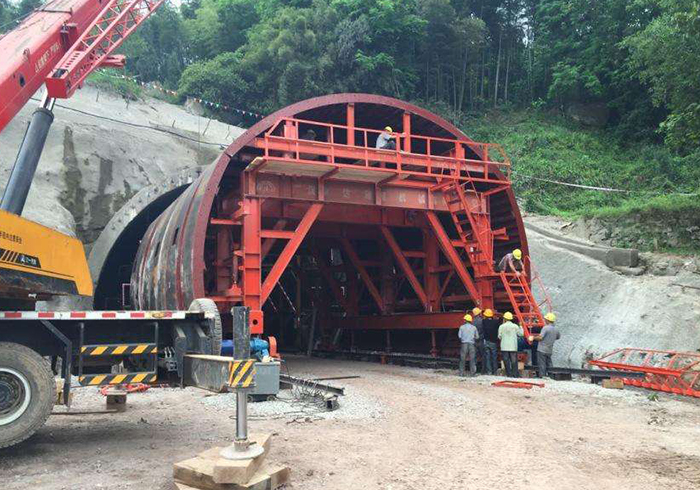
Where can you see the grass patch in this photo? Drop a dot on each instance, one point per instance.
(549, 146)
(125, 87)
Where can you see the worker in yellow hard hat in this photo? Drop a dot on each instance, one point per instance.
(512, 262)
(385, 140)
(490, 327)
(478, 322)
(468, 335)
(508, 334)
(545, 344)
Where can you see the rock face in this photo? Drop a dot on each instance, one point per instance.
(600, 310)
(648, 231)
(94, 163)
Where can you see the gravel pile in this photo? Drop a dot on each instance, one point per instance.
(288, 406)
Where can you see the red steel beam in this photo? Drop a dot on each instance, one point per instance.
(357, 263)
(409, 321)
(328, 276)
(289, 250)
(270, 242)
(452, 255)
(405, 266)
(116, 22)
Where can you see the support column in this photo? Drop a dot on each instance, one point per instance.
(350, 122)
(252, 290)
(431, 277)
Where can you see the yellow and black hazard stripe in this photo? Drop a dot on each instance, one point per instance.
(242, 374)
(117, 379)
(119, 349)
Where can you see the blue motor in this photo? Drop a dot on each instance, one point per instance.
(259, 348)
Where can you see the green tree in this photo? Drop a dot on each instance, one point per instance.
(666, 54)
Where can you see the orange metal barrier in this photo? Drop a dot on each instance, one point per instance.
(669, 371)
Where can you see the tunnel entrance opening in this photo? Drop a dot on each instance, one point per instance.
(111, 289)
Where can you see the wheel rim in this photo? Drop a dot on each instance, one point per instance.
(15, 394)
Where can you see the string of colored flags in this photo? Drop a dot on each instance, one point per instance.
(213, 105)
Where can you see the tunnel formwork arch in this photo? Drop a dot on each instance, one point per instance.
(378, 239)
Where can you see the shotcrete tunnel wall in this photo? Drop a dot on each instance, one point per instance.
(197, 246)
(112, 255)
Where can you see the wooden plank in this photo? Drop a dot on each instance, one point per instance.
(210, 471)
(267, 478)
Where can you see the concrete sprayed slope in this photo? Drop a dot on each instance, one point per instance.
(92, 166)
(600, 310)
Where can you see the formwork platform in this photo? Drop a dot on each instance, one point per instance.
(306, 222)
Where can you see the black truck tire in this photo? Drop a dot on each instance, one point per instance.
(216, 333)
(27, 393)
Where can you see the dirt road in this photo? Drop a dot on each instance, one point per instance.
(397, 428)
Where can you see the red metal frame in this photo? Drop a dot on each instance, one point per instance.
(669, 371)
(94, 48)
(369, 201)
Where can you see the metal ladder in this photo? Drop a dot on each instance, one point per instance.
(113, 352)
(526, 308)
(477, 238)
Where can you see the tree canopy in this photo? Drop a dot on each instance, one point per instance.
(640, 59)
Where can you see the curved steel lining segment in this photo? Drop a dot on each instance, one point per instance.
(185, 256)
(120, 225)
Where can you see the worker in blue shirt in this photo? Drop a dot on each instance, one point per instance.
(468, 335)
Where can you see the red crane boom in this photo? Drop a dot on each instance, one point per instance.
(59, 44)
(64, 40)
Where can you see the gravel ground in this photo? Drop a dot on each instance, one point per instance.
(397, 428)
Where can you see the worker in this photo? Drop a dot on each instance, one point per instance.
(385, 140)
(508, 334)
(478, 322)
(490, 326)
(468, 335)
(545, 346)
(309, 135)
(512, 262)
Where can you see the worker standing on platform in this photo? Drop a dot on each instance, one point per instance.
(512, 262)
(385, 140)
(490, 326)
(545, 346)
(478, 322)
(508, 334)
(468, 335)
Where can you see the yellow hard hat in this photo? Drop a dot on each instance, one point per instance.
(550, 317)
(468, 317)
(476, 311)
(507, 315)
(488, 313)
(518, 254)
(388, 129)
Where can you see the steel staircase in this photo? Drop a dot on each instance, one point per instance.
(525, 307)
(470, 214)
(472, 221)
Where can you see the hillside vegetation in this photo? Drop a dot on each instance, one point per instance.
(548, 146)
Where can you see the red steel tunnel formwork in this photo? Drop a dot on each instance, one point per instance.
(377, 240)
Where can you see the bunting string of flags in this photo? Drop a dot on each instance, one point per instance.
(213, 105)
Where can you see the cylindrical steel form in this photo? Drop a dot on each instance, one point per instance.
(20, 181)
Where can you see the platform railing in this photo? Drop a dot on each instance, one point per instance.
(449, 163)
